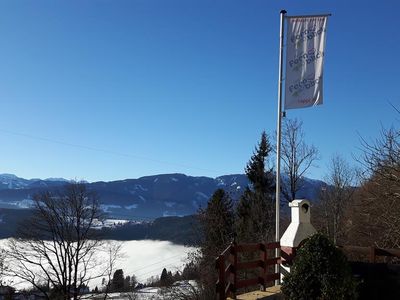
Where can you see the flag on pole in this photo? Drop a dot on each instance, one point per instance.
(305, 46)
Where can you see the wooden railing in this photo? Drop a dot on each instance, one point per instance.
(228, 266)
(371, 252)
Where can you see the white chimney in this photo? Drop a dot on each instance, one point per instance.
(299, 229)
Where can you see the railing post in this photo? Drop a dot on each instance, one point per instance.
(234, 263)
(221, 279)
(263, 271)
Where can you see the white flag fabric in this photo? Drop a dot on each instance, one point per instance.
(305, 46)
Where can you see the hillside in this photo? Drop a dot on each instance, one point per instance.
(143, 198)
(179, 230)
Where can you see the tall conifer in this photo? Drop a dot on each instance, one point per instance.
(255, 216)
(217, 225)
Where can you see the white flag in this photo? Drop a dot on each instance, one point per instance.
(305, 47)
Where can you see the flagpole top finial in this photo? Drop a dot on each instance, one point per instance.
(283, 11)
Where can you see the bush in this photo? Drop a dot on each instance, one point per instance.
(319, 271)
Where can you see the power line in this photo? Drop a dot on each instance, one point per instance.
(153, 270)
(156, 263)
(95, 149)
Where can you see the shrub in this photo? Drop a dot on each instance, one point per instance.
(319, 271)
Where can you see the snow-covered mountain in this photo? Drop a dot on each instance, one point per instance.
(145, 197)
(11, 181)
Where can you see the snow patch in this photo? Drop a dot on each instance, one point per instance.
(174, 179)
(107, 207)
(169, 213)
(142, 198)
(234, 183)
(114, 222)
(56, 179)
(169, 204)
(8, 176)
(220, 182)
(201, 195)
(26, 203)
(140, 187)
(155, 180)
(108, 223)
(132, 206)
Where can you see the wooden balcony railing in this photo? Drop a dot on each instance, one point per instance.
(228, 266)
(371, 252)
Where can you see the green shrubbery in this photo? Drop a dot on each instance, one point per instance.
(319, 271)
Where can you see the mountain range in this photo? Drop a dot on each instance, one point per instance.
(144, 198)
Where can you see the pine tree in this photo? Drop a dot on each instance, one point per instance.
(256, 206)
(165, 278)
(118, 280)
(217, 223)
(127, 283)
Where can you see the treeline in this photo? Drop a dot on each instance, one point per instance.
(361, 206)
(179, 230)
(167, 278)
(118, 283)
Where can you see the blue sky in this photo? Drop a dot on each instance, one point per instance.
(106, 90)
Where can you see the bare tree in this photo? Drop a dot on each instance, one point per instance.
(184, 291)
(336, 196)
(378, 202)
(382, 157)
(58, 244)
(113, 254)
(297, 157)
(3, 266)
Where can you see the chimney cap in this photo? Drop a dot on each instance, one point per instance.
(299, 203)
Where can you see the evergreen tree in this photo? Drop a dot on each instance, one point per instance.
(127, 283)
(255, 211)
(164, 275)
(217, 223)
(118, 280)
(165, 278)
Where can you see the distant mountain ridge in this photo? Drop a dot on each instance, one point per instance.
(145, 197)
(11, 181)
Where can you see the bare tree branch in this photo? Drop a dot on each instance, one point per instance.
(297, 157)
(58, 244)
(336, 196)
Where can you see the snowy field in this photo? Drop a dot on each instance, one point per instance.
(146, 258)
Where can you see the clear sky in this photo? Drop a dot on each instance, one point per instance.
(106, 90)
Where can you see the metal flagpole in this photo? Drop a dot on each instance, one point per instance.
(278, 140)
